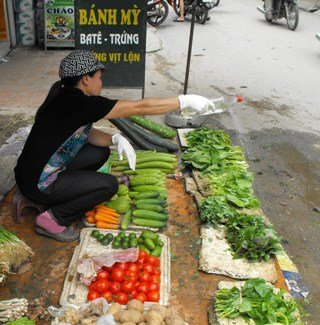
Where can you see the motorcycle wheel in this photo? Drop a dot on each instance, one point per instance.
(215, 2)
(293, 16)
(201, 18)
(160, 14)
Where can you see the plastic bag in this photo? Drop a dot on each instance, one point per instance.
(71, 314)
(88, 267)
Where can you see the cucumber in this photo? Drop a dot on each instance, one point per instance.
(140, 142)
(126, 219)
(148, 188)
(150, 207)
(148, 223)
(147, 195)
(156, 157)
(152, 138)
(144, 248)
(143, 180)
(152, 201)
(155, 164)
(145, 214)
(154, 127)
(148, 242)
(149, 234)
(158, 241)
(156, 251)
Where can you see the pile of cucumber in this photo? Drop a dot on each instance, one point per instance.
(148, 241)
(135, 128)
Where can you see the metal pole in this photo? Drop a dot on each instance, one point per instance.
(185, 90)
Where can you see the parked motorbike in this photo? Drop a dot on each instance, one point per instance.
(318, 36)
(157, 12)
(201, 12)
(277, 9)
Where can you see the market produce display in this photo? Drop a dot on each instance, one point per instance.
(123, 282)
(103, 217)
(13, 253)
(257, 301)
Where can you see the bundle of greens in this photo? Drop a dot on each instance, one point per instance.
(257, 301)
(13, 252)
(250, 237)
(215, 210)
(211, 151)
(236, 186)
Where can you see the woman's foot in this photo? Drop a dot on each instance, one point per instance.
(179, 20)
(46, 225)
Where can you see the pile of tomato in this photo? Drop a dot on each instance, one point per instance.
(122, 282)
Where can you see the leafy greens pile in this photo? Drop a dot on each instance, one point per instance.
(256, 300)
(251, 238)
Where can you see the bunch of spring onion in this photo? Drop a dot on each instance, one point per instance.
(13, 252)
(12, 309)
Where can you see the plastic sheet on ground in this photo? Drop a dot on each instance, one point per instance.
(216, 257)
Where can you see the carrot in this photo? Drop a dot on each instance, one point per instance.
(90, 213)
(91, 219)
(105, 225)
(108, 219)
(105, 208)
(107, 213)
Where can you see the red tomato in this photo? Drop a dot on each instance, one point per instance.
(141, 296)
(145, 276)
(115, 287)
(103, 274)
(143, 254)
(154, 286)
(153, 260)
(121, 266)
(132, 294)
(92, 286)
(117, 275)
(131, 275)
(108, 268)
(127, 286)
(133, 267)
(102, 285)
(122, 298)
(143, 287)
(93, 295)
(153, 296)
(155, 278)
(140, 262)
(149, 268)
(107, 295)
(157, 271)
(137, 283)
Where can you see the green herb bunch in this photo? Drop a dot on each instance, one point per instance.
(250, 237)
(215, 210)
(256, 300)
(236, 186)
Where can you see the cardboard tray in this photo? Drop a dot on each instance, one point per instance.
(75, 293)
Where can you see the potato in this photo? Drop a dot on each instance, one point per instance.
(114, 310)
(130, 316)
(128, 323)
(153, 316)
(135, 304)
(142, 323)
(163, 311)
(174, 320)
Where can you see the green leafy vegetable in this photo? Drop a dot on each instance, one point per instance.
(256, 300)
(251, 238)
(22, 321)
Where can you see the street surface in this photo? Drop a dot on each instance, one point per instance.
(277, 71)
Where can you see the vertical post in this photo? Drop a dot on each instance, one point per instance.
(185, 90)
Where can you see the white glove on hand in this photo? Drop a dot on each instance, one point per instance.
(195, 104)
(124, 146)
